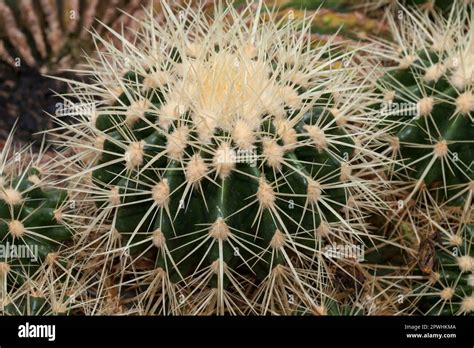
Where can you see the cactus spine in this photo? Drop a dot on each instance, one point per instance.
(429, 101)
(224, 154)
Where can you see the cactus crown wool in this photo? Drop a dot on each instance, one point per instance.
(225, 152)
(223, 162)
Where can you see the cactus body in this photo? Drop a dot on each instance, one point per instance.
(429, 98)
(228, 158)
(445, 263)
(452, 278)
(31, 227)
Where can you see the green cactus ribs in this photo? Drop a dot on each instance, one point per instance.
(437, 145)
(429, 97)
(245, 205)
(221, 161)
(31, 225)
(34, 305)
(428, 105)
(52, 290)
(48, 37)
(26, 306)
(455, 281)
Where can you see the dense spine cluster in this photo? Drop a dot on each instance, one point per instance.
(31, 214)
(429, 98)
(448, 265)
(34, 227)
(224, 163)
(428, 101)
(225, 156)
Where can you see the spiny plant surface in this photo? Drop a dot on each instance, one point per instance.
(446, 262)
(219, 157)
(60, 286)
(49, 37)
(428, 246)
(32, 224)
(40, 273)
(429, 98)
